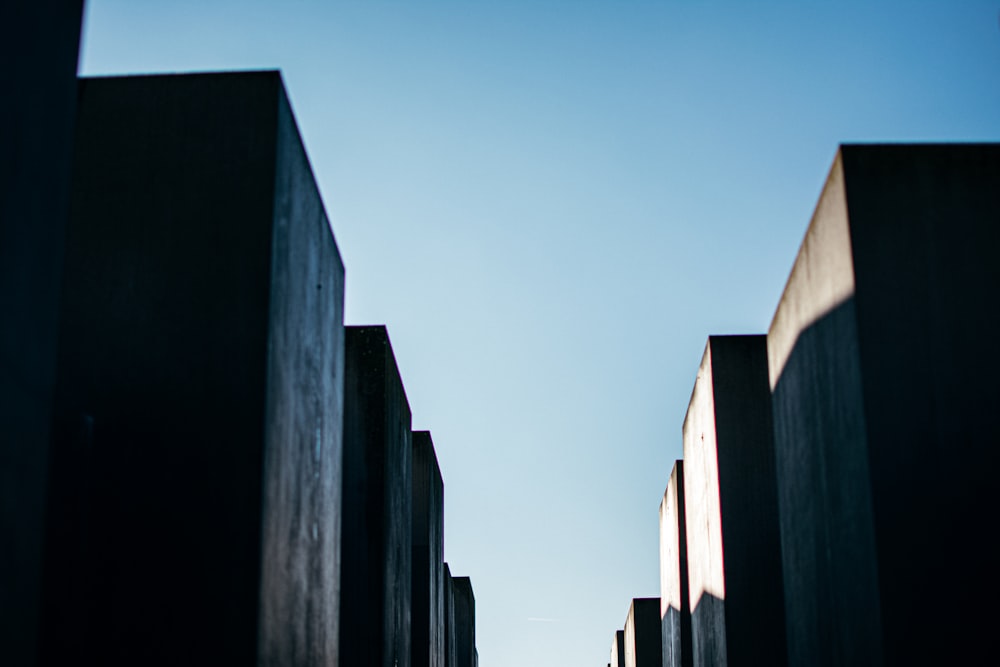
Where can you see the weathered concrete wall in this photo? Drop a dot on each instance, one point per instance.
(197, 437)
(675, 605)
(465, 622)
(39, 42)
(450, 639)
(376, 575)
(642, 637)
(428, 555)
(881, 371)
(734, 549)
(618, 649)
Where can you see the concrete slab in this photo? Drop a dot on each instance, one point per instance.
(675, 605)
(881, 370)
(730, 494)
(378, 495)
(643, 643)
(465, 622)
(195, 499)
(39, 42)
(427, 610)
(450, 640)
(618, 649)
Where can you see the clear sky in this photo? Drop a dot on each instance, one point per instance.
(551, 206)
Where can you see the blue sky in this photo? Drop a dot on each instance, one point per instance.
(551, 206)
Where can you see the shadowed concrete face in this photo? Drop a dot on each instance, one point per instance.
(38, 45)
(618, 649)
(465, 622)
(378, 494)
(675, 609)
(881, 371)
(643, 643)
(733, 546)
(196, 456)
(450, 640)
(428, 555)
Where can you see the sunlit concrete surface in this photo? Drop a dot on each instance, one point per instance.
(884, 396)
(38, 45)
(733, 546)
(195, 495)
(643, 645)
(618, 649)
(675, 606)
(378, 495)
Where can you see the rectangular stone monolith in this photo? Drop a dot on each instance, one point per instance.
(642, 634)
(427, 599)
(465, 622)
(378, 496)
(194, 502)
(884, 397)
(39, 43)
(450, 640)
(675, 605)
(618, 649)
(731, 509)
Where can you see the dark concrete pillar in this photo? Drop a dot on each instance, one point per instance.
(465, 622)
(730, 494)
(450, 640)
(428, 555)
(194, 496)
(643, 643)
(618, 649)
(884, 397)
(39, 43)
(378, 494)
(675, 606)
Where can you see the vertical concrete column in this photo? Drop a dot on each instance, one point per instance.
(450, 640)
(730, 494)
(39, 42)
(675, 606)
(642, 640)
(881, 369)
(465, 622)
(428, 555)
(378, 492)
(618, 649)
(194, 501)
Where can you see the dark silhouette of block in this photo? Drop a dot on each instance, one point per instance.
(194, 496)
(730, 494)
(643, 643)
(378, 495)
(675, 607)
(465, 622)
(618, 649)
(884, 396)
(450, 640)
(39, 42)
(428, 555)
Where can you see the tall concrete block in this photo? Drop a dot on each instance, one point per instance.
(378, 495)
(884, 394)
(643, 643)
(39, 42)
(450, 640)
(196, 454)
(675, 606)
(618, 649)
(465, 622)
(428, 555)
(730, 499)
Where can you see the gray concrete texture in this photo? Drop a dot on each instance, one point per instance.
(642, 634)
(618, 649)
(884, 388)
(465, 622)
(730, 493)
(427, 598)
(39, 42)
(377, 502)
(675, 604)
(196, 454)
(450, 640)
